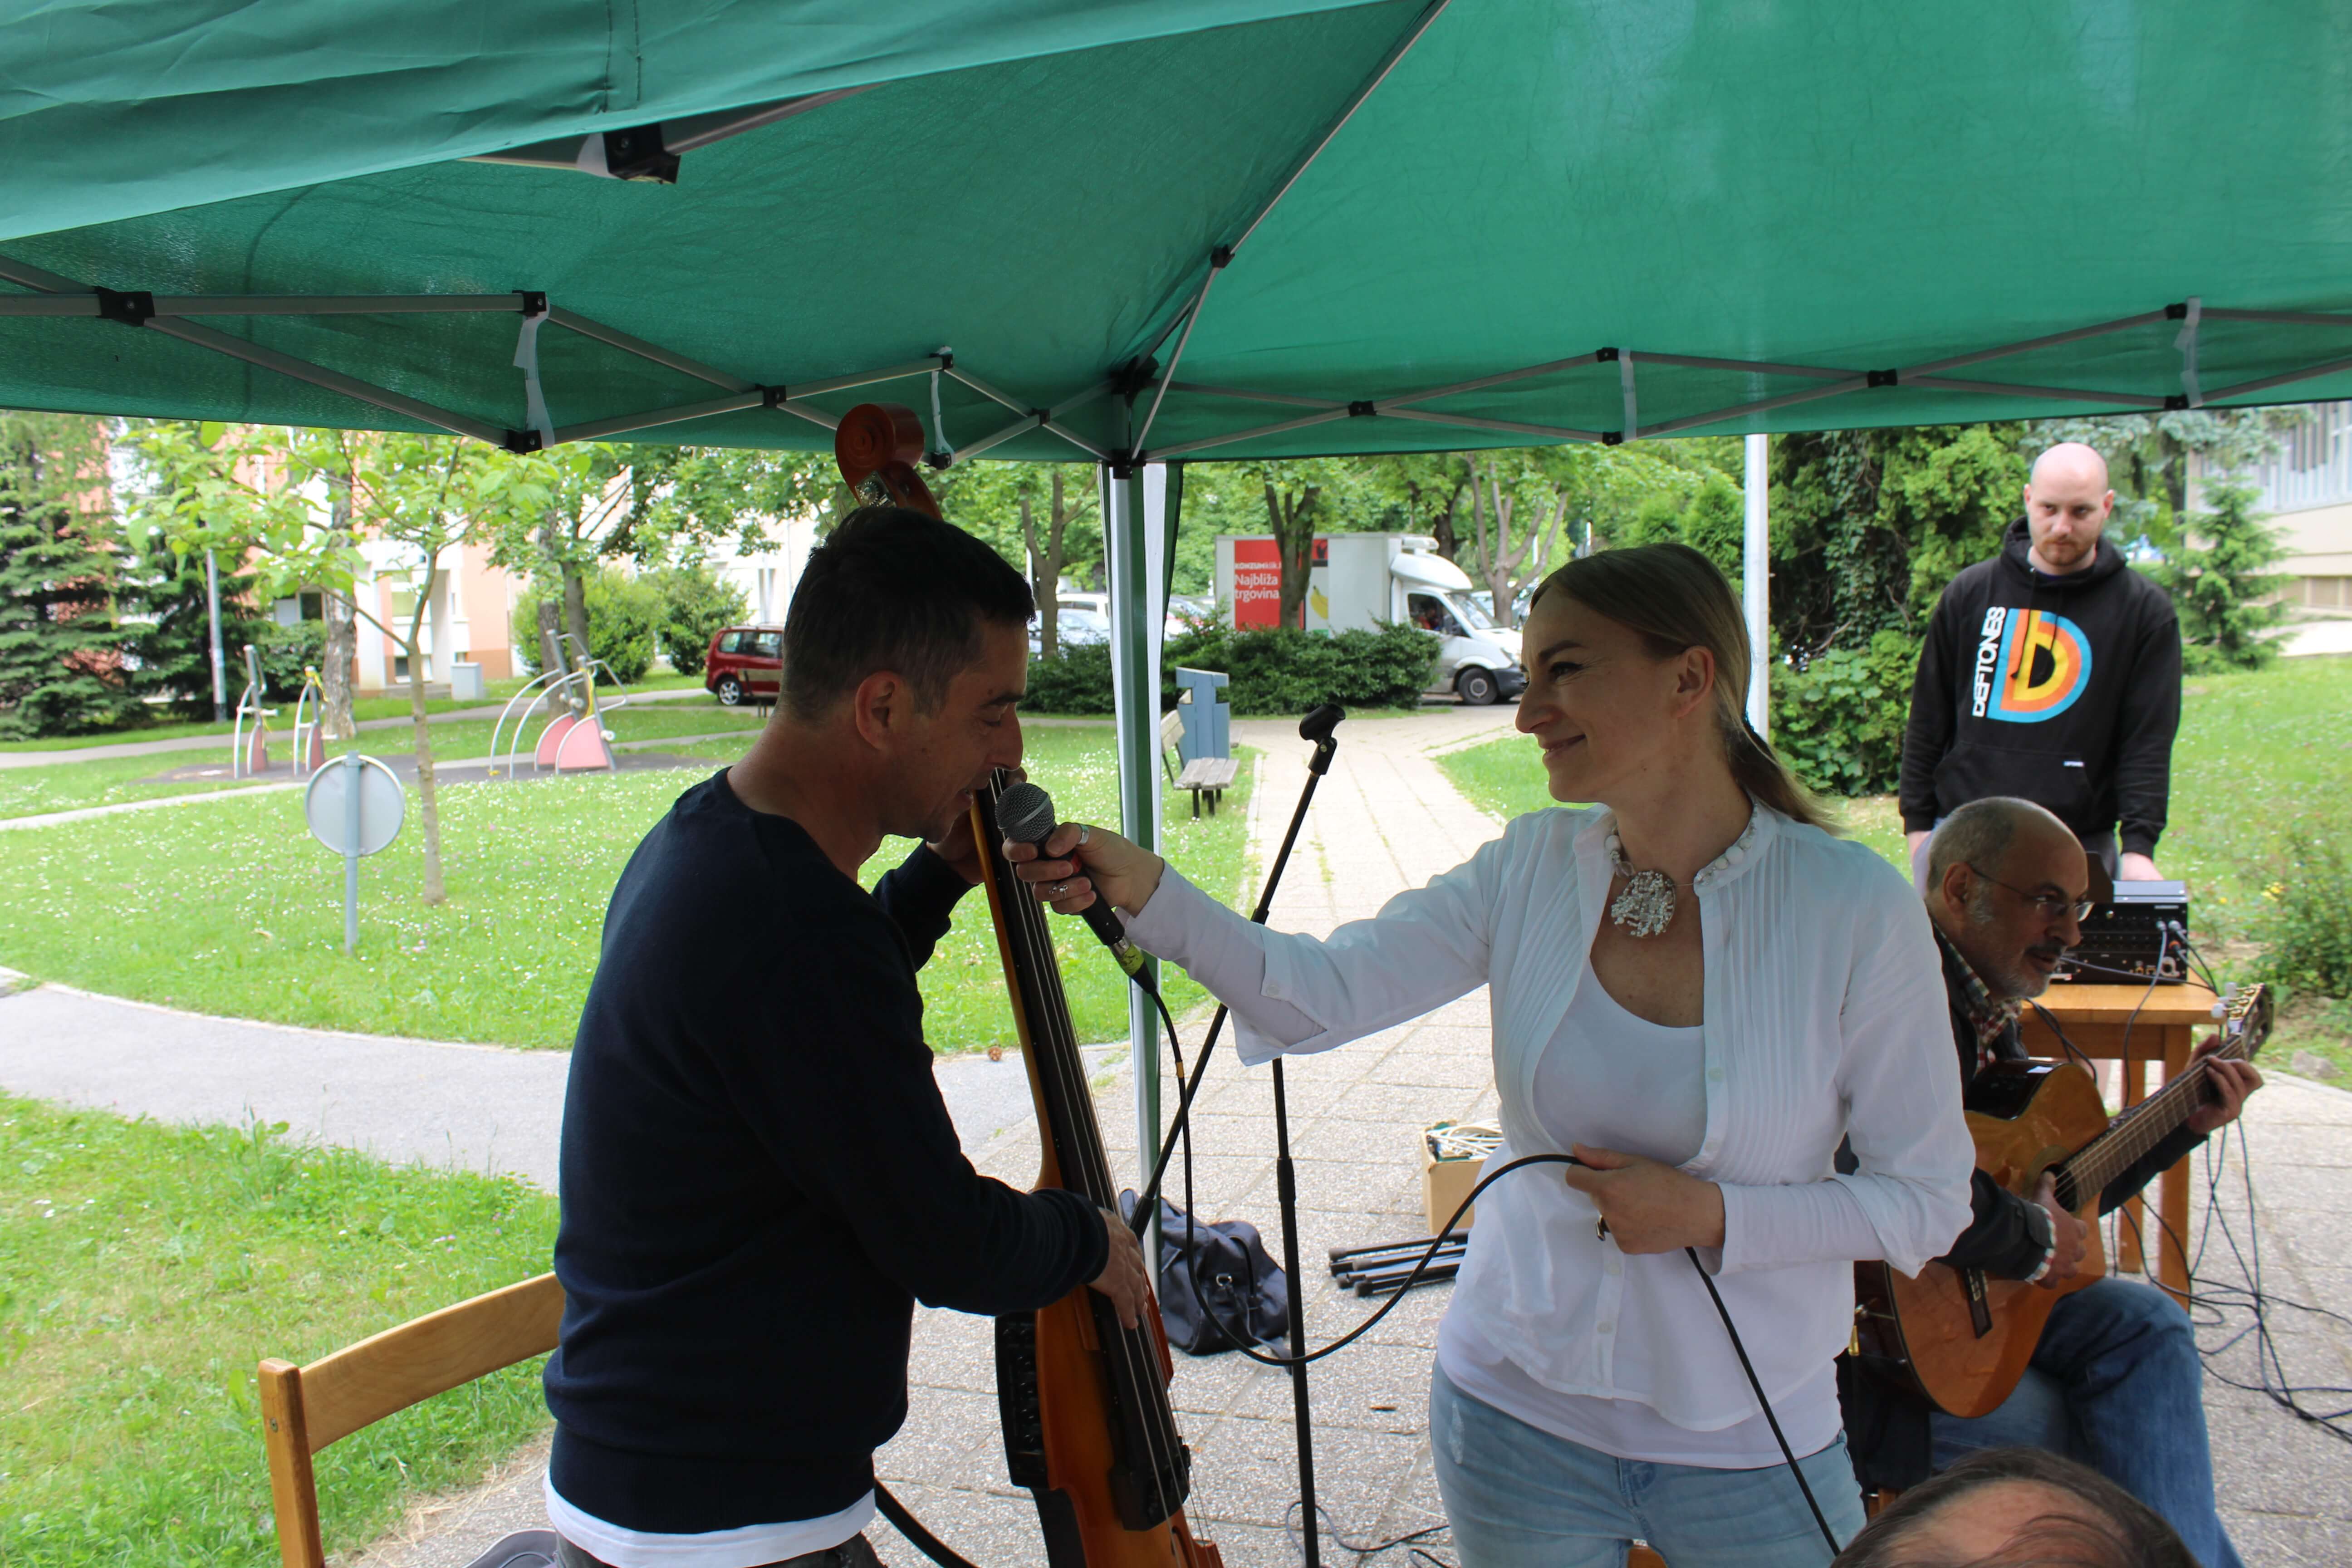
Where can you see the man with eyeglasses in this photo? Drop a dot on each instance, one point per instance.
(2115, 1381)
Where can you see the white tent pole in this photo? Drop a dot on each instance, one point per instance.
(1756, 572)
(1132, 507)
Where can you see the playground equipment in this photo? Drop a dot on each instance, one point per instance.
(576, 738)
(249, 754)
(354, 808)
(309, 737)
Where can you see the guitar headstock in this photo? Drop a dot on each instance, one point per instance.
(2246, 1021)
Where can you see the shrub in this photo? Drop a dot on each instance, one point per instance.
(284, 651)
(1838, 722)
(1272, 671)
(1076, 679)
(695, 606)
(625, 616)
(2305, 923)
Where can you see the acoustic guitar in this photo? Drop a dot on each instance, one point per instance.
(1961, 1338)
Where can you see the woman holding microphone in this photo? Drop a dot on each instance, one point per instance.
(1698, 992)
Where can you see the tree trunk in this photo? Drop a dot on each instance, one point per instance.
(1292, 518)
(428, 814)
(551, 651)
(1045, 575)
(575, 609)
(342, 646)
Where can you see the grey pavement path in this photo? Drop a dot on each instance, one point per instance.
(477, 1108)
(217, 743)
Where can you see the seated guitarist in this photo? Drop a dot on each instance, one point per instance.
(2115, 1381)
(758, 1176)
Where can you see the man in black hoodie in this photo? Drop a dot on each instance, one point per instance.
(2052, 674)
(758, 1176)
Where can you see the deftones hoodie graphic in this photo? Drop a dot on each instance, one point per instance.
(2064, 690)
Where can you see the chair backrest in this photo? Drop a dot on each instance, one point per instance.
(304, 1408)
(1171, 729)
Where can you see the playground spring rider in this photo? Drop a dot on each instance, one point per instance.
(249, 752)
(577, 741)
(309, 733)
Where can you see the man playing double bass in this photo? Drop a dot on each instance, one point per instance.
(759, 1176)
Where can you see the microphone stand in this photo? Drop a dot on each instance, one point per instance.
(1315, 727)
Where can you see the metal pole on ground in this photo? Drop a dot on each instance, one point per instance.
(1132, 502)
(220, 664)
(1756, 570)
(357, 768)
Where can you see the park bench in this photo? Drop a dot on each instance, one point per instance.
(1210, 776)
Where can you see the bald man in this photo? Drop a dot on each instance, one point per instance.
(2051, 673)
(2114, 1381)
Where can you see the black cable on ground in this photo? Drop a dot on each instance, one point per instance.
(908, 1525)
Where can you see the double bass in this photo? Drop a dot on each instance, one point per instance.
(1088, 1428)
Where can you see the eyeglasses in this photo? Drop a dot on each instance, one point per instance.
(2051, 906)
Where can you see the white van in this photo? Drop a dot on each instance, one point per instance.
(1367, 579)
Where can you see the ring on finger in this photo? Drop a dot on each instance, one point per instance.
(1059, 889)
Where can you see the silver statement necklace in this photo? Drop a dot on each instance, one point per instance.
(1646, 907)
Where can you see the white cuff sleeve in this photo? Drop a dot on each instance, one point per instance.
(1808, 1222)
(1224, 953)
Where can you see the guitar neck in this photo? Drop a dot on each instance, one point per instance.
(2131, 1135)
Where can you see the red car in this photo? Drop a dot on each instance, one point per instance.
(745, 664)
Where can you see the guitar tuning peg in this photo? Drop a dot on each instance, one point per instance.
(2220, 1011)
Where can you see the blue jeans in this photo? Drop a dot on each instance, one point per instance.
(1520, 1498)
(2116, 1383)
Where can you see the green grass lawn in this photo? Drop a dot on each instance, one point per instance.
(2256, 752)
(394, 705)
(145, 1270)
(229, 907)
(107, 781)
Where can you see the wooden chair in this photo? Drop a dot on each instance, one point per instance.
(305, 1408)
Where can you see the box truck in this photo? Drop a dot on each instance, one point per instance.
(1368, 580)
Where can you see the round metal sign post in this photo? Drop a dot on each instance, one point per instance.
(354, 807)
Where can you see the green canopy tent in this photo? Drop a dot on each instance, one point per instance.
(1148, 230)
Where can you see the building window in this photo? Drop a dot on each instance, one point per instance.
(313, 606)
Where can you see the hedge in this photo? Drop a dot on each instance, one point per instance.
(1271, 670)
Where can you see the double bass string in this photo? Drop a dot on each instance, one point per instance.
(1085, 1161)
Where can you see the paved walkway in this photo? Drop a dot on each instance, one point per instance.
(1385, 819)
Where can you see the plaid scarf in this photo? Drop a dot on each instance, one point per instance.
(1992, 1019)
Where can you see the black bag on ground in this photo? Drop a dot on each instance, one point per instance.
(1230, 1271)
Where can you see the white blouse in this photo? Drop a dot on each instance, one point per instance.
(1825, 1018)
(1617, 1080)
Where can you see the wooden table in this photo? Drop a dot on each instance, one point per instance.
(2099, 1020)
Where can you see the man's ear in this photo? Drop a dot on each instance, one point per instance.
(1954, 886)
(879, 707)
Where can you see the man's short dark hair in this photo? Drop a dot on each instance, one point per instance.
(2112, 1528)
(894, 589)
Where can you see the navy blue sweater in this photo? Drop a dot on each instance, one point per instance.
(759, 1180)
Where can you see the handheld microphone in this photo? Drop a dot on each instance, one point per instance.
(1024, 814)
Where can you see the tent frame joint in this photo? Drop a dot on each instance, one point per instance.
(132, 307)
(1884, 377)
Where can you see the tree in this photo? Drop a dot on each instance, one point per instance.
(695, 606)
(59, 664)
(250, 490)
(2218, 576)
(1869, 525)
(1535, 485)
(168, 592)
(1030, 513)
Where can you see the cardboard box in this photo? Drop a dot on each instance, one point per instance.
(1446, 1182)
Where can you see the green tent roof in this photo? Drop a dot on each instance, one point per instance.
(1775, 215)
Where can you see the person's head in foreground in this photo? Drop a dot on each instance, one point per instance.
(906, 649)
(2008, 884)
(1637, 673)
(2017, 1508)
(2066, 505)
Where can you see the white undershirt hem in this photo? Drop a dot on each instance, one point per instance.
(746, 1546)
